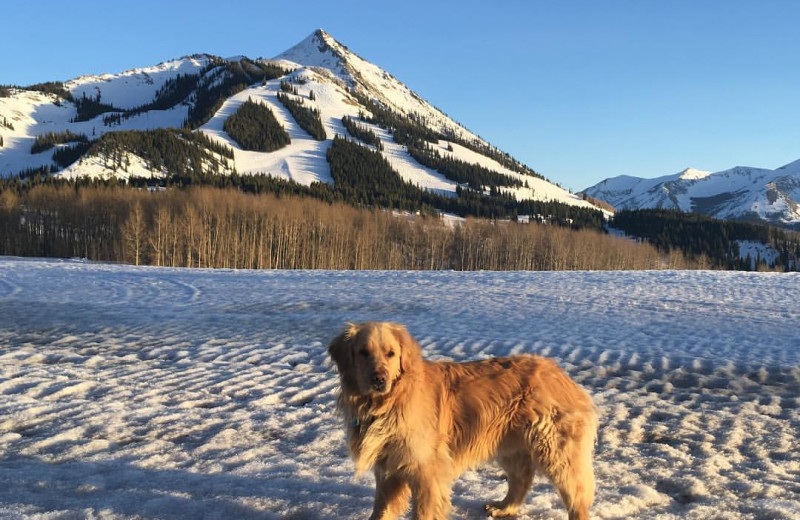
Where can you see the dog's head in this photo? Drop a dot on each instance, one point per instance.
(373, 357)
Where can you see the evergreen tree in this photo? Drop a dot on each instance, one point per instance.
(698, 235)
(52, 87)
(89, 108)
(66, 155)
(50, 139)
(255, 128)
(187, 156)
(308, 118)
(222, 79)
(361, 132)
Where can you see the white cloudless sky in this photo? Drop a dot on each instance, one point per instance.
(578, 90)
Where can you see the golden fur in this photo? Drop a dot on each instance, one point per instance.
(419, 424)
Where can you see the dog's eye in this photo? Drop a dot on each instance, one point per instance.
(390, 353)
(364, 353)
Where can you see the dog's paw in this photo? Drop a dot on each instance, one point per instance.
(498, 510)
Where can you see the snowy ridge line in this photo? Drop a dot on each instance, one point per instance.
(136, 87)
(320, 65)
(737, 193)
(175, 393)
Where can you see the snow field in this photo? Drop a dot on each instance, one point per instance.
(132, 392)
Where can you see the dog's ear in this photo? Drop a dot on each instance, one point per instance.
(410, 351)
(341, 351)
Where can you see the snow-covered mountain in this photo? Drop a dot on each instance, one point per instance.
(321, 50)
(326, 75)
(742, 193)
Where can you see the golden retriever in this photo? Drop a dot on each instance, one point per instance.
(419, 424)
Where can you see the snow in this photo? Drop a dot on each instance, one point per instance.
(757, 251)
(692, 174)
(303, 160)
(538, 189)
(34, 113)
(136, 87)
(131, 392)
(320, 49)
(410, 170)
(791, 168)
(97, 167)
(739, 192)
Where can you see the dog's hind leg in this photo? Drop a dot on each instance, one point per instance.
(392, 494)
(519, 471)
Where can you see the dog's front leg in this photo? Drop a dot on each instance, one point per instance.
(430, 495)
(391, 496)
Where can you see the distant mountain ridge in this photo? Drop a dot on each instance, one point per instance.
(198, 93)
(741, 193)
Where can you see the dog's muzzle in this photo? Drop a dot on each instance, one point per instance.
(380, 382)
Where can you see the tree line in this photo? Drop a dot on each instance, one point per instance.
(212, 227)
(474, 175)
(308, 118)
(48, 140)
(412, 129)
(179, 152)
(361, 132)
(88, 108)
(221, 79)
(254, 127)
(63, 156)
(708, 240)
(364, 177)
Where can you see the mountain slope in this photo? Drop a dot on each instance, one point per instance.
(742, 193)
(136, 87)
(321, 50)
(199, 92)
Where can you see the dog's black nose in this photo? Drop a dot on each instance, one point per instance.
(379, 381)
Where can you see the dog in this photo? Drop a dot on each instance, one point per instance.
(419, 424)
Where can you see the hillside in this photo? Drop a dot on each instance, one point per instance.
(740, 193)
(200, 93)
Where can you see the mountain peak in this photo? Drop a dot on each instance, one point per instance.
(690, 174)
(318, 49)
(736, 193)
(322, 34)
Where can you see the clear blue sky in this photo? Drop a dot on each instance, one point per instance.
(578, 90)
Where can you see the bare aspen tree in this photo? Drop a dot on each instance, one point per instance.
(133, 232)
